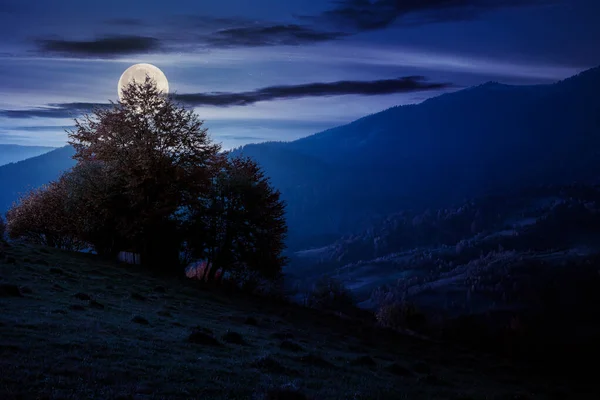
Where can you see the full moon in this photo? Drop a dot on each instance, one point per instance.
(138, 74)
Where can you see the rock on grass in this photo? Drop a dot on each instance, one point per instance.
(284, 394)
(8, 290)
(164, 313)
(399, 370)
(137, 296)
(268, 364)
(140, 320)
(364, 361)
(290, 346)
(315, 361)
(160, 289)
(96, 305)
(82, 296)
(26, 290)
(422, 368)
(282, 335)
(199, 336)
(233, 337)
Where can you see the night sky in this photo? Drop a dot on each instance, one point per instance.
(278, 70)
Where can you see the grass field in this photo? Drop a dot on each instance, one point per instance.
(74, 327)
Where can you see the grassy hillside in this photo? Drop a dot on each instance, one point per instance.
(75, 327)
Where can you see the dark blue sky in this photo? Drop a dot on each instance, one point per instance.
(278, 64)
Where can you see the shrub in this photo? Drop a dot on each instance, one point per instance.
(2, 228)
(399, 314)
(331, 295)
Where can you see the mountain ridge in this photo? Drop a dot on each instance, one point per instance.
(471, 142)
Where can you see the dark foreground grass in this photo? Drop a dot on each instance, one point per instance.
(74, 327)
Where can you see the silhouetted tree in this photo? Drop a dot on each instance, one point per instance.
(240, 226)
(95, 193)
(161, 154)
(2, 228)
(148, 179)
(42, 216)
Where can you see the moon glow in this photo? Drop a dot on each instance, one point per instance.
(138, 74)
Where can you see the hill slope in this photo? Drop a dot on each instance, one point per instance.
(486, 139)
(75, 327)
(10, 153)
(481, 140)
(20, 177)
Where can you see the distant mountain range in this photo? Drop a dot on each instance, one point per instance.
(10, 153)
(482, 140)
(20, 177)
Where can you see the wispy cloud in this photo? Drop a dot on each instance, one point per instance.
(365, 15)
(269, 35)
(59, 110)
(177, 33)
(102, 47)
(364, 88)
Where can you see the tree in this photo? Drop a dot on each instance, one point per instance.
(149, 180)
(240, 226)
(161, 154)
(94, 192)
(42, 216)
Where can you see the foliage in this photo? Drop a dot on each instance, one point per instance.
(149, 180)
(42, 216)
(240, 227)
(2, 228)
(399, 314)
(160, 154)
(331, 295)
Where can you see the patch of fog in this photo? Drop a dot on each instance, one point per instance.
(312, 253)
(523, 222)
(582, 250)
(505, 232)
(451, 282)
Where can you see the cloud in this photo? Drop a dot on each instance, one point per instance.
(104, 46)
(181, 33)
(56, 110)
(220, 99)
(126, 22)
(366, 88)
(269, 35)
(177, 33)
(365, 15)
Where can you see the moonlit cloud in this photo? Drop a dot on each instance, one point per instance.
(281, 60)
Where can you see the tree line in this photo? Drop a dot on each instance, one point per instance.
(149, 179)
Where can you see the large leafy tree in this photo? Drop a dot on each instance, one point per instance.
(240, 227)
(161, 153)
(149, 179)
(94, 193)
(42, 216)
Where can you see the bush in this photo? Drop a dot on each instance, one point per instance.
(42, 217)
(331, 295)
(2, 228)
(400, 314)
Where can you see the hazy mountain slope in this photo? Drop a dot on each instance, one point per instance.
(24, 175)
(10, 153)
(485, 139)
